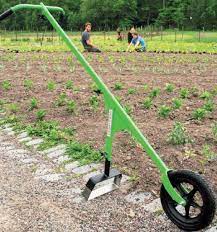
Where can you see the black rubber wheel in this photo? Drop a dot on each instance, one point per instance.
(201, 205)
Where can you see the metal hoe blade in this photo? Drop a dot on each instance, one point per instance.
(102, 184)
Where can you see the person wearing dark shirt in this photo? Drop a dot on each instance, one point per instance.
(88, 46)
(130, 34)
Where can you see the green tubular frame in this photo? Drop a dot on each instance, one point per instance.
(119, 120)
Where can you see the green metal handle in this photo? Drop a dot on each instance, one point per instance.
(35, 7)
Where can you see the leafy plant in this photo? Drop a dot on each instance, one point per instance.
(33, 104)
(179, 136)
(214, 130)
(184, 93)
(206, 95)
(51, 85)
(95, 89)
(83, 153)
(6, 85)
(131, 91)
(147, 103)
(169, 88)
(154, 93)
(209, 106)
(164, 111)
(207, 152)
(71, 106)
(40, 115)
(177, 103)
(145, 87)
(118, 86)
(13, 108)
(199, 114)
(69, 84)
(94, 102)
(61, 100)
(28, 84)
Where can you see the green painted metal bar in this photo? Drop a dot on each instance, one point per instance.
(35, 7)
(112, 103)
(119, 120)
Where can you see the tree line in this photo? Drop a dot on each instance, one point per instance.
(111, 14)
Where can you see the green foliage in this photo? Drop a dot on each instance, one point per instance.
(95, 89)
(118, 86)
(164, 111)
(71, 105)
(51, 85)
(83, 153)
(178, 135)
(177, 103)
(154, 93)
(131, 91)
(69, 84)
(169, 88)
(28, 84)
(206, 95)
(94, 102)
(207, 152)
(209, 106)
(13, 108)
(40, 115)
(33, 104)
(199, 114)
(147, 103)
(214, 130)
(6, 85)
(184, 93)
(145, 87)
(61, 100)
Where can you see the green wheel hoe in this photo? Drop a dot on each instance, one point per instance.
(186, 197)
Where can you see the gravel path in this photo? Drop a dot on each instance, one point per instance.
(54, 202)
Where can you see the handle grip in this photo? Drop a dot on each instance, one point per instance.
(6, 14)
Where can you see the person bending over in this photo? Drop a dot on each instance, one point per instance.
(88, 46)
(138, 42)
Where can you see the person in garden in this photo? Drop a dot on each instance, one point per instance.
(86, 41)
(138, 42)
(130, 34)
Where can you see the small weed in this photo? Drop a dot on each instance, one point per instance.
(206, 95)
(147, 103)
(207, 152)
(118, 86)
(13, 108)
(95, 89)
(164, 111)
(28, 84)
(169, 88)
(209, 106)
(131, 91)
(154, 93)
(84, 153)
(61, 100)
(33, 104)
(177, 103)
(199, 114)
(145, 87)
(94, 102)
(71, 106)
(69, 84)
(178, 136)
(214, 130)
(184, 93)
(51, 85)
(40, 115)
(6, 85)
